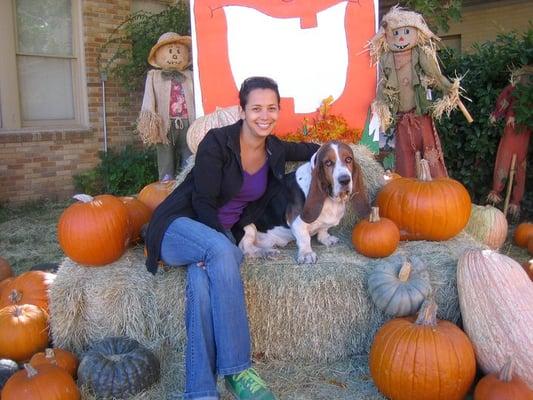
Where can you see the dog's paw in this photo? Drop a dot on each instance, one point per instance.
(329, 240)
(307, 257)
(260, 252)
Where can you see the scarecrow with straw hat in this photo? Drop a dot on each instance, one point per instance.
(168, 103)
(513, 144)
(405, 49)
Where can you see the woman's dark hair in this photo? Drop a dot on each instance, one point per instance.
(256, 82)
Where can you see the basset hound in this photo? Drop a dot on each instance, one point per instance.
(314, 199)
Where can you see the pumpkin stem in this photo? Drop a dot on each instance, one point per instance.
(374, 215)
(50, 355)
(506, 373)
(15, 296)
(17, 312)
(84, 198)
(424, 173)
(427, 316)
(405, 271)
(31, 371)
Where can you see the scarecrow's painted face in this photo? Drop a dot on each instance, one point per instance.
(172, 56)
(401, 39)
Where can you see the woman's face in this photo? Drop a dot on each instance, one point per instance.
(260, 112)
(402, 39)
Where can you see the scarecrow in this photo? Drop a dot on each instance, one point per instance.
(168, 104)
(513, 147)
(405, 48)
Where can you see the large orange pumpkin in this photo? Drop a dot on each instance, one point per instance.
(424, 208)
(23, 331)
(28, 288)
(138, 215)
(503, 386)
(154, 193)
(42, 382)
(94, 231)
(5, 269)
(422, 359)
(58, 357)
(375, 237)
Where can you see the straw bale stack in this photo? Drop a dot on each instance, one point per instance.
(316, 312)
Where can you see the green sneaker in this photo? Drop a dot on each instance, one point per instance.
(247, 385)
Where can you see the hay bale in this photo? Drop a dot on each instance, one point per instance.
(316, 312)
(88, 303)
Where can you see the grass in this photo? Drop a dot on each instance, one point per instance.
(28, 234)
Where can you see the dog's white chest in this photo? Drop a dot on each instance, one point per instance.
(331, 215)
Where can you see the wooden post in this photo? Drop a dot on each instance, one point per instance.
(509, 185)
(465, 112)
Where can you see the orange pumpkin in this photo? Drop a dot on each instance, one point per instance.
(23, 331)
(41, 382)
(503, 386)
(138, 215)
(58, 357)
(376, 237)
(424, 208)
(28, 288)
(5, 269)
(94, 231)
(422, 359)
(522, 233)
(154, 193)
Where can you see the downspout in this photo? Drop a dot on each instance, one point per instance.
(103, 79)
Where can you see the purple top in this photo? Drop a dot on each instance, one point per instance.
(253, 187)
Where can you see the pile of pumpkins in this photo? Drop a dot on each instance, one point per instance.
(51, 373)
(96, 231)
(426, 358)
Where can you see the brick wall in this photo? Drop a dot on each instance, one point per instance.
(37, 164)
(483, 22)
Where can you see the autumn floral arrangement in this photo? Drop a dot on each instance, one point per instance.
(325, 126)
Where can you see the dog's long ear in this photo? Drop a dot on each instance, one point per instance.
(317, 192)
(359, 201)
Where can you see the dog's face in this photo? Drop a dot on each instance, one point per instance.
(335, 168)
(335, 174)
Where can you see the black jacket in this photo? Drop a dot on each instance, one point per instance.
(215, 179)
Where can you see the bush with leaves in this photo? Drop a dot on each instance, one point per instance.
(470, 149)
(125, 53)
(120, 173)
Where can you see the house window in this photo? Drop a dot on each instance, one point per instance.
(40, 79)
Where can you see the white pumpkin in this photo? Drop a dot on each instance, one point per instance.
(488, 225)
(217, 119)
(496, 300)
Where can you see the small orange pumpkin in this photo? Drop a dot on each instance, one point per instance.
(154, 193)
(503, 386)
(23, 331)
(424, 208)
(138, 215)
(28, 288)
(421, 359)
(94, 231)
(41, 382)
(522, 233)
(376, 237)
(58, 357)
(5, 269)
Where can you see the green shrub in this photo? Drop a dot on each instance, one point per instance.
(120, 173)
(470, 149)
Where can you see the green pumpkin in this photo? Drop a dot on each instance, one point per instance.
(118, 367)
(398, 286)
(7, 368)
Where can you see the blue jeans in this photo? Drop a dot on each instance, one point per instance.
(218, 338)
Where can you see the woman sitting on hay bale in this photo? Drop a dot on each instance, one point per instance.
(237, 169)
